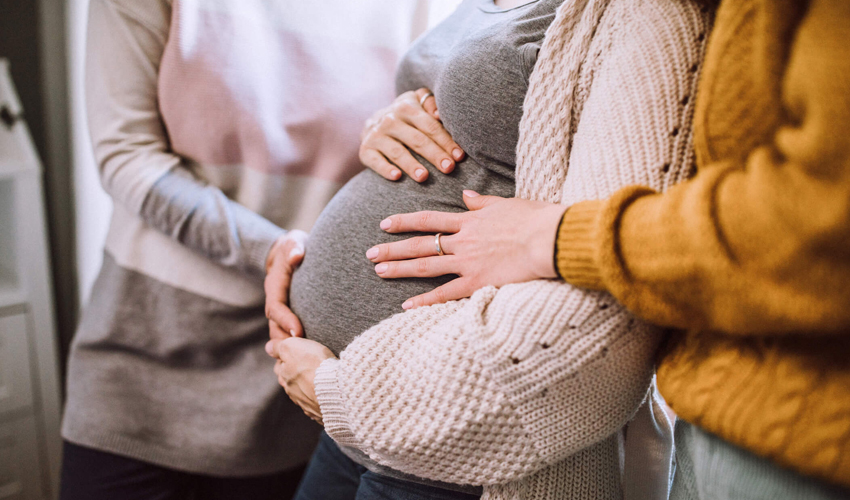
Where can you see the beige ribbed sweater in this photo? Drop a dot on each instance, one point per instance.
(524, 389)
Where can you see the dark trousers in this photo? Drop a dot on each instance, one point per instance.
(89, 474)
(331, 475)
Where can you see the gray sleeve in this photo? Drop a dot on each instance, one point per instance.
(202, 218)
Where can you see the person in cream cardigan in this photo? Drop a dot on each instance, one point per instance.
(525, 389)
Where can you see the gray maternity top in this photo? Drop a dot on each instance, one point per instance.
(477, 63)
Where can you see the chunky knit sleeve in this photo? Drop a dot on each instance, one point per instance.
(757, 243)
(515, 382)
(490, 389)
(126, 41)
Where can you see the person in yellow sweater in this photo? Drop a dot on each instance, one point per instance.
(748, 262)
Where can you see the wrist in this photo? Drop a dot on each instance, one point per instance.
(290, 246)
(544, 241)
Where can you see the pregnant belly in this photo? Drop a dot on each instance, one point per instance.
(336, 292)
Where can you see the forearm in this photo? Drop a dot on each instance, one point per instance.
(492, 389)
(202, 218)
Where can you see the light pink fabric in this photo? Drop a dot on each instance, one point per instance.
(306, 122)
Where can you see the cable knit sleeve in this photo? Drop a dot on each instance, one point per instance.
(498, 387)
(126, 41)
(757, 243)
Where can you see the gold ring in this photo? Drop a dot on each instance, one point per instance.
(425, 98)
(437, 244)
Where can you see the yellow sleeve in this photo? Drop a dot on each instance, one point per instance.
(760, 245)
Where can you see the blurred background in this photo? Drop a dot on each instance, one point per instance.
(53, 222)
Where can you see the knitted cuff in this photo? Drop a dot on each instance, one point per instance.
(334, 412)
(577, 245)
(257, 247)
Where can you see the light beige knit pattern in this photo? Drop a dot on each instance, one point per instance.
(524, 389)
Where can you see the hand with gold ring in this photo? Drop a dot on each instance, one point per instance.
(412, 121)
(499, 241)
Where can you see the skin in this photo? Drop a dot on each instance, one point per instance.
(499, 241)
(284, 256)
(413, 120)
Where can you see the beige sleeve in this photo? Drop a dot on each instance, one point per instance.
(126, 42)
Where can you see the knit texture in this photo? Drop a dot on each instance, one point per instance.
(755, 246)
(523, 389)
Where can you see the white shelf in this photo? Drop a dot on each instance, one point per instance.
(30, 444)
(8, 241)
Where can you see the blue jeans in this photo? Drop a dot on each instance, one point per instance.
(331, 475)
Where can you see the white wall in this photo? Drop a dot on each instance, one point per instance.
(93, 206)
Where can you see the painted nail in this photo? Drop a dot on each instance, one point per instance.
(372, 253)
(457, 153)
(407, 305)
(395, 174)
(386, 224)
(446, 164)
(298, 250)
(470, 193)
(419, 173)
(381, 268)
(292, 332)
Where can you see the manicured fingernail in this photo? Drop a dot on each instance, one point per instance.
(457, 153)
(471, 194)
(381, 268)
(395, 174)
(419, 173)
(298, 250)
(446, 164)
(292, 332)
(372, 253)
(386, 224)
(407, 305)
(270, 348)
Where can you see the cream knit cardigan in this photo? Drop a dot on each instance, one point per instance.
(525, 389)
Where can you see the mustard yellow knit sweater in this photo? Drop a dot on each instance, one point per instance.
(751, 257)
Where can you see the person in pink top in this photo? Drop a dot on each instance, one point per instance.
(221, 129)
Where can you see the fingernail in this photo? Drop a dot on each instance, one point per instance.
(292, 332)
(419, 173)
(446, 164)
(270, 348)
(457, 153)
(381, 268)
(386, 224)
(372, 253)
(407, 305)
(395, 174)
(471, 194)
(299, 250)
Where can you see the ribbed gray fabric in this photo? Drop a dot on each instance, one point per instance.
(709, 468)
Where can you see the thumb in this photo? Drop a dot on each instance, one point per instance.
(475, 201)
(299, 240)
